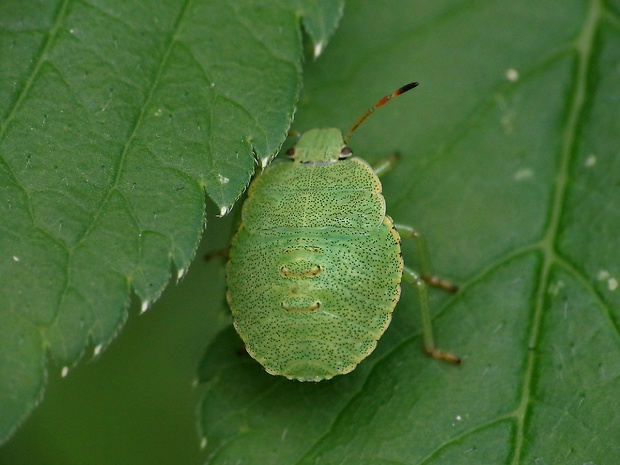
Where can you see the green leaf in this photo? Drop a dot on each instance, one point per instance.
(115, 118)
(510, 166)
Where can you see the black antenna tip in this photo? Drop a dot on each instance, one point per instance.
(407, 87)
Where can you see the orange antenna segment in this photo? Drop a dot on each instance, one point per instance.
(380, 103)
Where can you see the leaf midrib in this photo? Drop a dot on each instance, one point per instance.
(584, 46)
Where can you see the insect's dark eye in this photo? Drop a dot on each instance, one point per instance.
(291, 152)
(346, 152)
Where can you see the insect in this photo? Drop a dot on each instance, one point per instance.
(315, 267)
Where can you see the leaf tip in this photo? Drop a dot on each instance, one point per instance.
(145, 306)
(97, 350)
(224, 211)
(318, 49)
(181, 273)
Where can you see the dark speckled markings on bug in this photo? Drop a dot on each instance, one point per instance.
(315, 267)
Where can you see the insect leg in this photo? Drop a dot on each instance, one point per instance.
(427, 328)
(293, 133)
(409, 232)
(386, 165)
(223, 254)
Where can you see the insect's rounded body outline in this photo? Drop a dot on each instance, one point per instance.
(315, 267)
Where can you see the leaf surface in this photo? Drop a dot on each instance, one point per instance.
(510, 167)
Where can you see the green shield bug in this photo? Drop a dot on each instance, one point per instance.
(315, 267)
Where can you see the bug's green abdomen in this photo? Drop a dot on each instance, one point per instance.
(315, 269)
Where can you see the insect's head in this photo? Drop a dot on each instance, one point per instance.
(320, 146)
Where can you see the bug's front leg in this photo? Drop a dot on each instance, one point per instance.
(386, 165)
(415, 279)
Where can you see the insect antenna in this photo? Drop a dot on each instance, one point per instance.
(380, 103)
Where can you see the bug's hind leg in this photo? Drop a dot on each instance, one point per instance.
(386, 165)
(408, 232)
(223, 254)
(427, 328)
